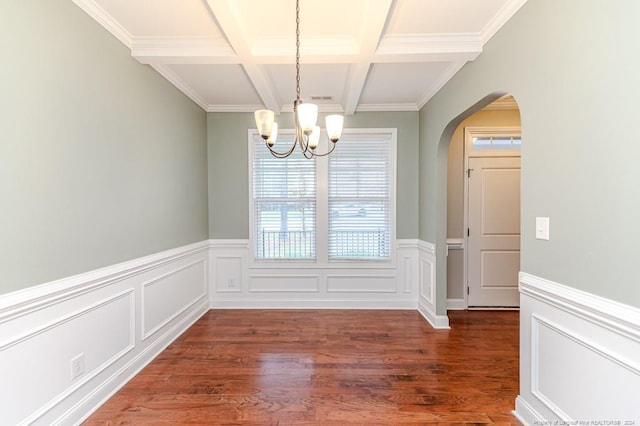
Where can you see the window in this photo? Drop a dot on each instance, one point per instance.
(334, 208)
(496, 143)
(492, 141)
(359, 198)
(284, 202)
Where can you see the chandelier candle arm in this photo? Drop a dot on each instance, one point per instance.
(307, 134)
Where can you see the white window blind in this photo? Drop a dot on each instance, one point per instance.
(359, 197)
(284, 202)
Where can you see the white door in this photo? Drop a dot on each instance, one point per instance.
(493, 242)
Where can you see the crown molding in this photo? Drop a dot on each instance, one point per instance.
(407, 107)
(103, 18)
(387, 107)
(444, 77)
(232, 108)
(180, 84)
(508, 10)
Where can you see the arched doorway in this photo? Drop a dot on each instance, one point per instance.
(498, 125)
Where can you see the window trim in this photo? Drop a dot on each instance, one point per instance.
(322, 212)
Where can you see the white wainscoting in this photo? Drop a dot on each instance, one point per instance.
(579, 356)
(237, 282)
(117, 319)
(427, 286)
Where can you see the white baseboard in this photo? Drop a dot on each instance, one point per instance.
(525, 412)
(116, 319)
(456, 305)
(579, 356)
(312, 304)
(436, 321)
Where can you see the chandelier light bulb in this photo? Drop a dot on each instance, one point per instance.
(334, 127)
(274, 134)
(307, 117)
(314, 137)
(264, 122)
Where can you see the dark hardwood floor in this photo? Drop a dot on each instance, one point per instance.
(328, 367)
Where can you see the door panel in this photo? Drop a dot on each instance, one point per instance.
(500, 202)
(498, 268)
(493, 258)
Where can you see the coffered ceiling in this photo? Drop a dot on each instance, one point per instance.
(356, 55)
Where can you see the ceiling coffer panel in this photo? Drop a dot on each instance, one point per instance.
(219, 84)
(316, 80)
(397, 83)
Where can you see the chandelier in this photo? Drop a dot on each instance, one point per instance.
(307, 134)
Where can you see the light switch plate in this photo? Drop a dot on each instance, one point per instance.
(542, 228)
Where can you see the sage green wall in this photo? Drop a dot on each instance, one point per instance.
(573, 68)
(101, 159)
(228, 168)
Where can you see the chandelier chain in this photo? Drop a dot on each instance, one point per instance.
(298, 50)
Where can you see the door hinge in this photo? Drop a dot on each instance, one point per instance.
(467, 290)
(469, 173)
(468, 232)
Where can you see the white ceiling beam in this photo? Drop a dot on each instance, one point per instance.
(285, 47)
(216, 50)
(183, 50)
(373, 24)
(355, 85)
(426, 57)
(430, 44)
(229, 21)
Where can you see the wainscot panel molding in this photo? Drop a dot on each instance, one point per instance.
(68, 345)
(579, 356)
(426, 285)
(235, 281)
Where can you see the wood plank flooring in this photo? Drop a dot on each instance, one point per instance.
(307, 367)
